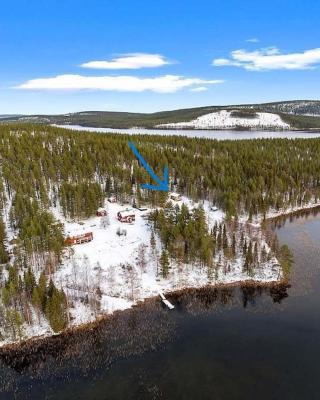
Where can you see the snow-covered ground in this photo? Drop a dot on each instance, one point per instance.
(104, 262)
(111, 264)
(224, 120)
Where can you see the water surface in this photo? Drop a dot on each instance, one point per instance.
(234, 344)
(210, 134)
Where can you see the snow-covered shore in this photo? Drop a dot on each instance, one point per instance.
(226, 120)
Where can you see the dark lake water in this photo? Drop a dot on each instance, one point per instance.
(239, 344)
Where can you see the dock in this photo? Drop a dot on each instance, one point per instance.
(165, 301)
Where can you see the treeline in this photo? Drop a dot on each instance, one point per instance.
(22, 295)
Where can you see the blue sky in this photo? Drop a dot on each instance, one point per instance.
(201, 53)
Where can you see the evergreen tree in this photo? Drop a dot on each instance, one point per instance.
(3, 252)
(56, 309)
(164, 264)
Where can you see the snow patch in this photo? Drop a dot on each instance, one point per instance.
(224, 120)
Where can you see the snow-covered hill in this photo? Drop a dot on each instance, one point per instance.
(227, 120)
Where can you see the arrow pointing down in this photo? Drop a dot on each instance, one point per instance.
(163, 185)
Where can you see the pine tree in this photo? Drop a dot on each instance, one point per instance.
(29, 281)
(164, 264)
(152, 241)
(56, 309)
(234, 246)
(3, 252)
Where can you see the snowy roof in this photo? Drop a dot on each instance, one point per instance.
(127, 212)
(175, 195)
(76, 231)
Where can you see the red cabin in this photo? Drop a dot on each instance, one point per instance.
(101, 212)
(79, 239)
(126, 216)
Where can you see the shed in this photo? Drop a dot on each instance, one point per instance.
(101, 212)
(175, 197)
(79, 238)
(126, 215)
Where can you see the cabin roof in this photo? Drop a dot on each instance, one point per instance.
(127, 212)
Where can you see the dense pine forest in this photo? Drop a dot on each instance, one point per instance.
(40, 165)
(43, 166)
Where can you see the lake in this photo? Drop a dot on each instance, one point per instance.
(233, 343)
(209, 134)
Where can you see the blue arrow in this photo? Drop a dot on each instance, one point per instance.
(162, 185)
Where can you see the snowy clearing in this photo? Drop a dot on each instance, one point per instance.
(102, 262)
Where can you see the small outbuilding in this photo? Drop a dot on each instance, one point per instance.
(79, 238)
(126, 215)
(175, 197)
(101, 212)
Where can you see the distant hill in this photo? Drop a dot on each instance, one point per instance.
(9, 116)
(298, 114)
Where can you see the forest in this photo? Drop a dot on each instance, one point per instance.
(42, 166)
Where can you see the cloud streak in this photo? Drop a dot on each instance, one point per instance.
(199, 89)
(160, 84)
(253, 40)
(129, 61)
(270, 59)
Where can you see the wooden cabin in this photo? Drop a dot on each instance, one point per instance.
(101, 212)
(79, 239)
(127, 215)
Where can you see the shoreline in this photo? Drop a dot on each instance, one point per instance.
(157, 128)
(90, 326)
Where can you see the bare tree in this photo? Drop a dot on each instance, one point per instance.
(133, 281)
(75, 268)
(105, 222)
(141, 258)
(111, 277)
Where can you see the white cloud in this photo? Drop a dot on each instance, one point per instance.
(160, 84)
(253, 40)
(271, 59)
(199, 89)
(129, 61)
